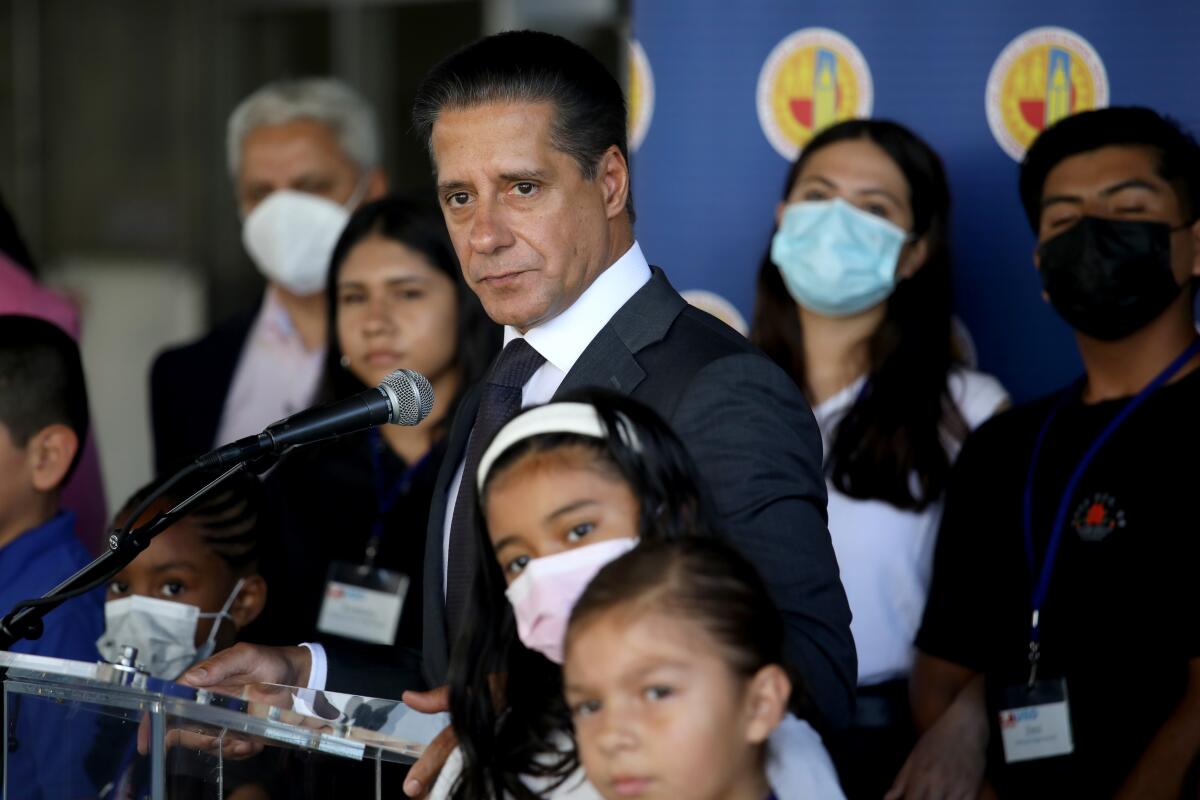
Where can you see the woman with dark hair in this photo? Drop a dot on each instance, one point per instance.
(854, 301)
(396, 299)
(565, 488)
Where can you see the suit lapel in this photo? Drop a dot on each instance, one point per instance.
(609, 361)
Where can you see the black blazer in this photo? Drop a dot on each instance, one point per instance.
(188, 385)
(755, 441)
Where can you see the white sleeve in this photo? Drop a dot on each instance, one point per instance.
(318, 673)
(443, 785)
(798, 766)
(977, 395)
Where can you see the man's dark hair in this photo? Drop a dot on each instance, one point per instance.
(533, 67)
(41, 380)
(1178, 153)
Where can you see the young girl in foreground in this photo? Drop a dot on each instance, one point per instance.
(564, 489)
(673, 674)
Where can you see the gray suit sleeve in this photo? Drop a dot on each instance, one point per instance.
(757, 445)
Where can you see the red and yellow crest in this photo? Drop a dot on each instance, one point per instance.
(812, 79)
(641, 95)
(1043, 75)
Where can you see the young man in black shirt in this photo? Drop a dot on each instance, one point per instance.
(1081, 678)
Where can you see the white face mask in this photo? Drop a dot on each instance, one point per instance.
(291, 235)
(163, 631)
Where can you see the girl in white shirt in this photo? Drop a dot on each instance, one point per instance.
(564, 489)
(674, 674)
(854, 301)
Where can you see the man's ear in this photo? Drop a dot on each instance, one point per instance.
(1037, 265)
(614, 180)
(250, 601)
(1195, 232)
(779, 207)
(49, 455)
(766, 702)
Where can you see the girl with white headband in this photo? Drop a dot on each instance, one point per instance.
(565, 489)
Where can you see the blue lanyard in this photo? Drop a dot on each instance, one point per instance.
(1060, 517)
(386, 496)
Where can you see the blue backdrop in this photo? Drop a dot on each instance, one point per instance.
(706, 179)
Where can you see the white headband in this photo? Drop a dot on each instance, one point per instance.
(577, 418)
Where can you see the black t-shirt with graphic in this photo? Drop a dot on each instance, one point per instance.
(1120, 619)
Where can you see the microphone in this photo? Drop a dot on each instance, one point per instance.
(403, 398)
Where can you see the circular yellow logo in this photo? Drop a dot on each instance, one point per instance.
(1043, 75)
(812, 79)
(719, 307)
(641, 95)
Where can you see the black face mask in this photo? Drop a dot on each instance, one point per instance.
(1109, 278)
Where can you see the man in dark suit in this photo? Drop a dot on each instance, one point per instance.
(302, 155)
(527, 135)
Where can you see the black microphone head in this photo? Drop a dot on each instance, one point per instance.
(410, 395)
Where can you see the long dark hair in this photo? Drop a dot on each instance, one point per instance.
(499, 745)
(894, 432)
(418, 226)
(704, 580)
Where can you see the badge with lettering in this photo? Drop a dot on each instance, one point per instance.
(1036, 723)
(362, 603)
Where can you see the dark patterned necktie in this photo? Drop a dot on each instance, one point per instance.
(500, 402)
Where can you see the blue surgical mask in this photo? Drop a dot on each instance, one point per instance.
(835, 259)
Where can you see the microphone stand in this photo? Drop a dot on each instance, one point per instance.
(25, 619)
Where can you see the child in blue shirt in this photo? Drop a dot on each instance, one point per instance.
(43, 423)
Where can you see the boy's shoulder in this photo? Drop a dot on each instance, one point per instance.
(39, 558)
(35, 562)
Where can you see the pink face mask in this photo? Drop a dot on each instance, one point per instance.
(544, 594)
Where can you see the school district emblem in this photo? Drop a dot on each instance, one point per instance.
(719, 307)
(641, 95)
(1096, 517)
(812, 79)
(1043, 75)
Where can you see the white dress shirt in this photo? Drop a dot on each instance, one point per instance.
(276, 374)
(561, 340)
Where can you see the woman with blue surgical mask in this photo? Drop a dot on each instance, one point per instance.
(565, 489)
(854, 301)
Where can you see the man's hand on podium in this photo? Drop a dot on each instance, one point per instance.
(228, 672)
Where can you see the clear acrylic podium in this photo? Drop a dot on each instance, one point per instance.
(71, 730)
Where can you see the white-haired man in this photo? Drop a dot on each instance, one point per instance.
(303, 154)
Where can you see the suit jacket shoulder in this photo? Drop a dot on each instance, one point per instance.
(188, 385)
(756, 444)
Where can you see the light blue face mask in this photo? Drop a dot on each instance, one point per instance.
(834, 258)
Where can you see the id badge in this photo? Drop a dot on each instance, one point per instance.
(362, 603)
(1036, 723)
